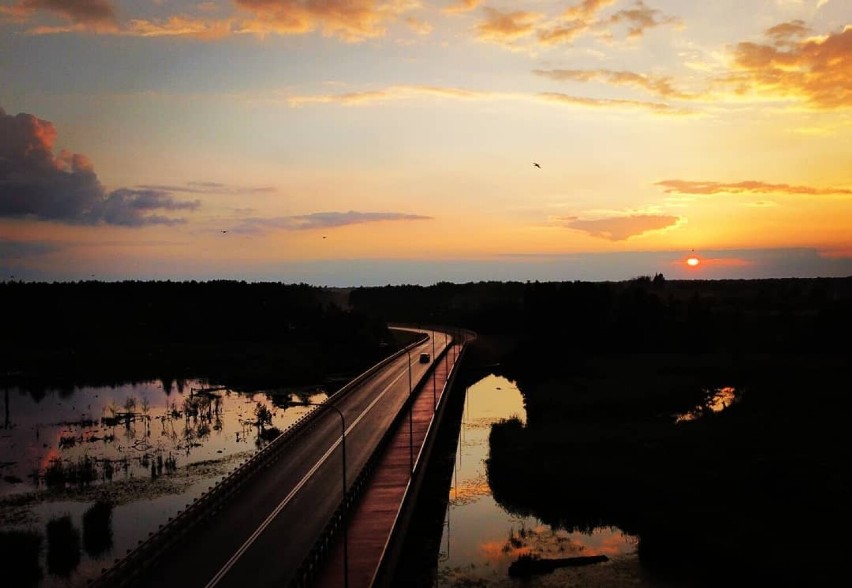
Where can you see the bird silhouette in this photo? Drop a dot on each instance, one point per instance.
(224, 231)
(537, 165)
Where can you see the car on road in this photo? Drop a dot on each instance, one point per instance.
(424, 358)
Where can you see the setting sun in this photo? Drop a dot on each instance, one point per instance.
(692, 261)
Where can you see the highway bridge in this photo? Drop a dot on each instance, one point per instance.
(287, 517)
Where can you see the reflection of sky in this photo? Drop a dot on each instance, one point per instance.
(722, 399)
(481, 539)
(30, 439)
(717, 400)
(55, 426)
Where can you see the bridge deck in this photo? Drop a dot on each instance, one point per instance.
(372, 519)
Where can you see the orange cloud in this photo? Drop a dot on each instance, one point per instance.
(620, 228)
(561, 33)
(640, 19)
(744, 187)
(410, 92)
(180, 26)
(815, 70)
(660, 86)
(505, 27)
(80, 15)
(462, 6)
(586, 9)
(579, 19)
(657, 107)
(401, 92)
(350, 20)
(574, 21)
(785, 33)
(89, 12)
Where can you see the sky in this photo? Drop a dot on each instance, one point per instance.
(360, 143)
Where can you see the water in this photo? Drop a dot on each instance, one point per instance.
(141, 451)
(199, 437)
(481, 538)
(715, 400)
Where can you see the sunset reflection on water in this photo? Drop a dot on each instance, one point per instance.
(62, 450)
(189, 424)
(717, 400)
(481, 538)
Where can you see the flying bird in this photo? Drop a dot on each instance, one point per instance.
(537, 165)
(224, 231)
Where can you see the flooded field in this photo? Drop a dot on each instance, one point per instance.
(89, 472)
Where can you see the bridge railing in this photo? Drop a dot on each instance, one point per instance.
(391, 551)
(313, 563)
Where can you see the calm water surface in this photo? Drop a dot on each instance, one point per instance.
(146, 449)
(481, 538)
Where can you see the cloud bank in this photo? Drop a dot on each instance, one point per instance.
(93, 16)
(36, 184)
(346, 20)
(744, 187)
(620, 228)
(816, 70)
(349, 20)
(323, 220)
(208, 188)
(89, 12)
(660, 86)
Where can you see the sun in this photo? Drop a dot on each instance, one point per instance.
(692, 261)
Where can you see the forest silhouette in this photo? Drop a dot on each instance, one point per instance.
(756, 493)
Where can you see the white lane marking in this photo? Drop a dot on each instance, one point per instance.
(248, 543)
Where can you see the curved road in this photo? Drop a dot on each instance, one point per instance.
(262, 536)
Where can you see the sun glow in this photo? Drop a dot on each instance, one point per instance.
(692, 261)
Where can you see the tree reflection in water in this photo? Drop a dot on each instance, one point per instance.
(63, 547)
(483, 535)
(97, 529)
(91, 471)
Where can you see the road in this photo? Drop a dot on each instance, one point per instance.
(263, 535)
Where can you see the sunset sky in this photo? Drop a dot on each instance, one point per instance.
(384, 142)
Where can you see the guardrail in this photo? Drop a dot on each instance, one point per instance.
(390, 553)
(138, 560)
(311, 566)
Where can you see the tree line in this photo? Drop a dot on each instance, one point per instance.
(640, 315)
(246, 334)
(262, 332)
